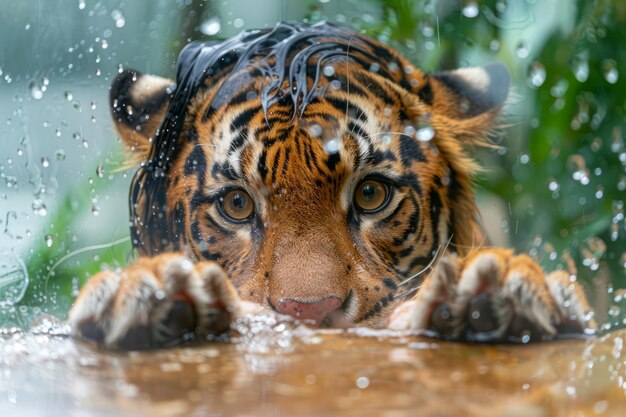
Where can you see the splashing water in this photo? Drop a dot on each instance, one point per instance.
(13, 279)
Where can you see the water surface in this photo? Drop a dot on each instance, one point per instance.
(289, 371)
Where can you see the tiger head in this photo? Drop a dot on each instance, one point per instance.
(317, 166)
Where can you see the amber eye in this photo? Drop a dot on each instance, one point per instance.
(371, 196)
(237, 206)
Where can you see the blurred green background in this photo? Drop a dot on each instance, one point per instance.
(555, 188)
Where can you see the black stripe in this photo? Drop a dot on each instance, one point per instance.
(196, 163)
(211, 256)
(275, 164)
(238, 140)
(410, 151)
(261, 165)
(286, 161)
(411, 225)
(332, 160)
(216, 226)
(226, 170)
(199, 199)
(426, 93)
(242, 120)
(178, 222)
(375, 89)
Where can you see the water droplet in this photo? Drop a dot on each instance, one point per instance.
(211, 27)
(525, 337)
(10, 181)
(536, 74)
(45, 162)
(48, 239)
(581, 70)
(93, 105)
(315, 130)
(328, 71)
(59, 154)
(599, 192)
(331, 146)
(69, 96)
(85, 144)
(470, 10)
(39, 207)
(522, 50)
(98, 72)
(35, 90)
(76, 136)
(609, 70)
(95, 210)
(362, 382)
(559, 89)
(553, 185)
(425, 133)
(238, 22)
(118, 17)
(104, 44)
(81, 4)
(100, 171)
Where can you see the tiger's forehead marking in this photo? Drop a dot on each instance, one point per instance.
(246, 129)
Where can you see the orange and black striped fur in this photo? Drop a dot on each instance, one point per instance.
(313, 171)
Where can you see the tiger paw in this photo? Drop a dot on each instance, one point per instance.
(495, 296)
(154, 303)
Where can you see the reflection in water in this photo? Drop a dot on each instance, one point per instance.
(282, 369)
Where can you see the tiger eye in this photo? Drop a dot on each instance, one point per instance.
(237, 205)
(371, 195)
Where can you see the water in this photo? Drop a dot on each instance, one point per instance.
(323, 373)
(13, 279)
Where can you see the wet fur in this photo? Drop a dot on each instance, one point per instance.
(254, 113)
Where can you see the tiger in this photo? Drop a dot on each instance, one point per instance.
(313, 172)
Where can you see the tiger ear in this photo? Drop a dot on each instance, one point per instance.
(138, 105)
(469, 92)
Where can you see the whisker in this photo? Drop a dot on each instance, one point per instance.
(78, 252)
(412, 277)
(429, 265)
(404, 294)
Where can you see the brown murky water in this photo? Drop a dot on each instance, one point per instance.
(296, 372)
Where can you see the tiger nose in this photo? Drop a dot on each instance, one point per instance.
(316, 311)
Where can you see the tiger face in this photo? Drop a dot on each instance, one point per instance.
(314, 164)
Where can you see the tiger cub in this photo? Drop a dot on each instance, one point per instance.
(315, 172)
